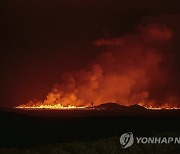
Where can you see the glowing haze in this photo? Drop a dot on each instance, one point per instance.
(126, 72)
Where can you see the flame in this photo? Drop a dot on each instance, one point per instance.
(46, 106)
(162, 107)
(73, 107)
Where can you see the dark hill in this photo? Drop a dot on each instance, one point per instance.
(115, 106)
(136, 107)
(110, 106)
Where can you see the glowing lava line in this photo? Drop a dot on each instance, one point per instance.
(53, 107)
(161, 108)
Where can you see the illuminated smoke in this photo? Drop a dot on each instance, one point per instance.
(125, 73)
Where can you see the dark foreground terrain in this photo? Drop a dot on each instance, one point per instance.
(93, 131)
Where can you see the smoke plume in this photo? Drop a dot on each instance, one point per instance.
(130, 70)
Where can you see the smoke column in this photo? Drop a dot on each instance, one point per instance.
(130, 68)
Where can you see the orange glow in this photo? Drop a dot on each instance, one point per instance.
(73, 107)
(163, 107)
(54, 107)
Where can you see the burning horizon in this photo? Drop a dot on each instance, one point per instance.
(127, 72)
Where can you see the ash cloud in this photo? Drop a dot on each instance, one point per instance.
(134, 69)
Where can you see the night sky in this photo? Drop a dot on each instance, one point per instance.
(41, 39)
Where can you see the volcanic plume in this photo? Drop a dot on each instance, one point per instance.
(127, 72)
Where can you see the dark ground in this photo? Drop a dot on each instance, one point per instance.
(27, 128)
(85, 131)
